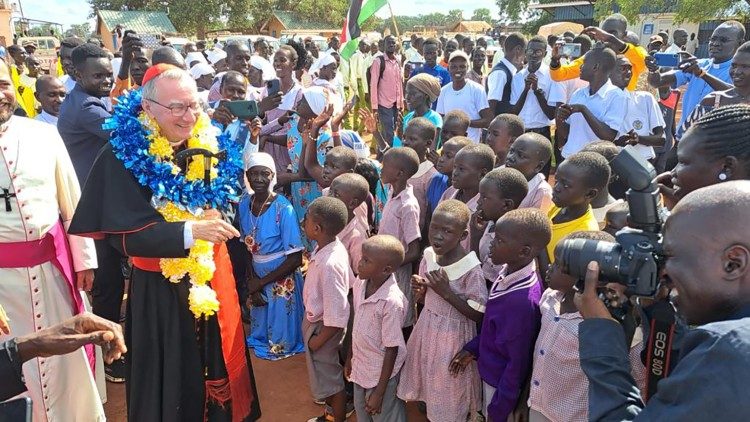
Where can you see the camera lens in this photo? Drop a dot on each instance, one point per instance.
(577, 253)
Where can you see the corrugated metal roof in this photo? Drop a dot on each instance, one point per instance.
(139, 21)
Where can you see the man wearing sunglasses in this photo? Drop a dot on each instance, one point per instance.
(702, 76)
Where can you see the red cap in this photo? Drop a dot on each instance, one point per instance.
(156, 70)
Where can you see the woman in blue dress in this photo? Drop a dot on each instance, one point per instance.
(304, 189)
(421, 91)
(271, 232)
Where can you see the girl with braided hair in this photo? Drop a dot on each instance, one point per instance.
(715, 149)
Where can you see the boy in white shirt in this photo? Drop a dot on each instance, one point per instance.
(500, 77)
(465, 95)
(594, 112)
(643, 126)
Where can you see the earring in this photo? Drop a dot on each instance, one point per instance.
(722, 176)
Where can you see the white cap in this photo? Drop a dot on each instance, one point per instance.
(459, 53)
(195, 56)
(216, 54)
(201, 69)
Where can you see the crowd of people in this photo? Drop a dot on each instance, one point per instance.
(397, 216)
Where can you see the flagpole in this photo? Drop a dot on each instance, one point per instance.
(395, 25)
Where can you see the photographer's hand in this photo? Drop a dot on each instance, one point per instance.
(588, 302)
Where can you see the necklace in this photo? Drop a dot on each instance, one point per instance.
(250, 241)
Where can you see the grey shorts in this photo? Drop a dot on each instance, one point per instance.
(393, 409)
(324, 367)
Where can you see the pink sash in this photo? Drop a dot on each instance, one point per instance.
(54, 248)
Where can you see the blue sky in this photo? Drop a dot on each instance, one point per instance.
(68, 12)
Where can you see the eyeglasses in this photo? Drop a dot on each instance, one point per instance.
(179, 110)
(535, 52)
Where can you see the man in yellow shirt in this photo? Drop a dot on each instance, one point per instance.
(24, 93)
(612, 32)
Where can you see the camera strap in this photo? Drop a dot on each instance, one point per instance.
(659, 347)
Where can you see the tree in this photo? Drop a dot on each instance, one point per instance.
(81, 31)
(455, 15)
(482, 14)
(685, 10)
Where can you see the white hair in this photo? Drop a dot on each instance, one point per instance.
(176, 74)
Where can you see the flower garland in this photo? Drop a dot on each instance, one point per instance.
(147, 154)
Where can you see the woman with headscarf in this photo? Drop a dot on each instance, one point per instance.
(421, 92)
(273, 135)
(326, 70)
(303, 190)
(270, 230)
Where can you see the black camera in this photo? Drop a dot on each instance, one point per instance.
(635, 259)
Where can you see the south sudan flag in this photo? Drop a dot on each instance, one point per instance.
(359, 12)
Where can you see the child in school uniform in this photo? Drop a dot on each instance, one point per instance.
(559, 388)
(325, 293)
(511, 319)
(419, 135)
(502, 131)
(401, 214)
(469, 166)
(441, 181)
(338, 160)
(378, 349)
(451, 284)
(500, 191)
(529, 154)
(606, 200)
(352, 189)
(578, 180)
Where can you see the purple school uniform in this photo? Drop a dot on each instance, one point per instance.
(509, 329)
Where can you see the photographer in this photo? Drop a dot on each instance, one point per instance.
(708, 265)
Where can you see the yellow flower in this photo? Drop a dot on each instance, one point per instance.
(203, 301)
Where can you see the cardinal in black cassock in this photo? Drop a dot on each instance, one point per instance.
(180, 368)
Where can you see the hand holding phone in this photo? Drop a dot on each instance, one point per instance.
(243, 110)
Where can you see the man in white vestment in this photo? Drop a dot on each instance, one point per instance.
(42, 269)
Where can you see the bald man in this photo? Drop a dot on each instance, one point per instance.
(168, 55)
(50, 93)
(707, 244)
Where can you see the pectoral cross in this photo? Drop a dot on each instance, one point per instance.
(7, 195)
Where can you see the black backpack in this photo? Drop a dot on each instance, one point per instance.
(380, 75)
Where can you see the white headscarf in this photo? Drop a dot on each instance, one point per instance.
(258, 62)
(260, 159)
(216, 54)
(316, 97)
(325, 59)
(195, 56)
(200, 69)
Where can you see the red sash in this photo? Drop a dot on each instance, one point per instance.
(230, 326)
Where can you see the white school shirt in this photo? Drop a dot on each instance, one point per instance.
(496, 81)
(643, 116)
(532, 115)
(471, 99)
(608, 104)
(573, 85)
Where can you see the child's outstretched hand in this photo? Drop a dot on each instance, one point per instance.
(337, 119)
(460, 362)
(323, 117)
(374, 403)
(418, 288)
(439, 282)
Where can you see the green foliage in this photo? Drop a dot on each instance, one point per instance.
(482, 14)
(531, 27)
(455, 15)
(513, 10)
(685, 10)
(81, 31)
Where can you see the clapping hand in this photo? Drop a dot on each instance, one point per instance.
(438, 281)
(531, 82)
(337, 119)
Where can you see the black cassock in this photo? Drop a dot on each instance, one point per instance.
(169, 350)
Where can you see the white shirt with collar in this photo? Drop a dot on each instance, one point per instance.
(68, 82)
(46, 118)
(608, 104)
(532, 115)
(496, 81)
(643, 116)
(673, 49)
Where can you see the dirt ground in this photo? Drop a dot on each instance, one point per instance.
(282, 388)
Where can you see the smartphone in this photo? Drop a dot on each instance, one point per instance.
(243, 110)
(667, 59)
(18, 410)
(571, 49)
(273, 87)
